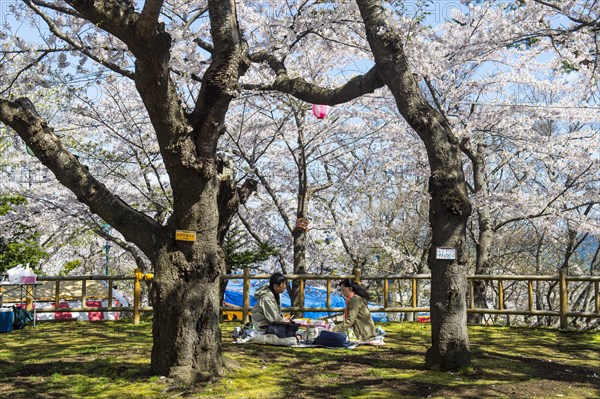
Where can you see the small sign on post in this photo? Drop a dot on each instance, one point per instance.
(445, 253)
(185, 235)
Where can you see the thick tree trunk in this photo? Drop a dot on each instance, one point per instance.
(185, 293)
(185, 289)
(449, 211)
(187, 336)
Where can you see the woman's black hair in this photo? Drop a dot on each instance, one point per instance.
(276, 279)
(356, 288)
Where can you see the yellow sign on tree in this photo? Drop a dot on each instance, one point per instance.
(185, 235)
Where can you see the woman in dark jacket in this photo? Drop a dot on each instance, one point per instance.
(266, 313)
(267, 308)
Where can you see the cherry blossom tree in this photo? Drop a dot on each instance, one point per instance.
(507, 180)
(136, 48)
(172, 72)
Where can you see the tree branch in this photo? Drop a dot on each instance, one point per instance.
(303, 90)
(148, 20)
(30, 65)
(543, 211)
(22, 117)
(84, 50)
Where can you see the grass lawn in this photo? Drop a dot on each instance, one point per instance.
(111, 360)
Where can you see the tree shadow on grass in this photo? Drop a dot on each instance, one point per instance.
(60, 378)
(399, 371)
(95, 368)
(529, 368)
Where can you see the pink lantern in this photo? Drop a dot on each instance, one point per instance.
(320, 111)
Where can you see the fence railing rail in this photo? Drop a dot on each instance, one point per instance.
(558, 282)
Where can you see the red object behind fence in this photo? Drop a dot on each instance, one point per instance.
(63, 315)
(94, 316)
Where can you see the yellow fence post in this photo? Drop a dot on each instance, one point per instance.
(29, 298)
(301, 296)
(137, 293)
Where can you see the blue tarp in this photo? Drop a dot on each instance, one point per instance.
(314, 297)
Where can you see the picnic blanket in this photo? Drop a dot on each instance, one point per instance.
(292, 342)
(378, 341)
(315, 335)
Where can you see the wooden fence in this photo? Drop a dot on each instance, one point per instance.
(559, 283)
(497, 281)
(30, 295)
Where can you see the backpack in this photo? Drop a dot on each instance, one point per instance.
(22, 317)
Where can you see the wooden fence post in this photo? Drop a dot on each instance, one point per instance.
(246, 293)
(385, 293)
(110, 294)
(597, 300)
(84, 294)
(471, 295)
(57, 294)
(564, 306)
(413, 299)
(356, 272)
(301, 295)
(328, 303)
(530, 295)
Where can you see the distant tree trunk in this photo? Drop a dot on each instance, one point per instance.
(301, 224)
(539, 295)
(229, 199)
(305, 194)
(486, 232)
(482, 261)
(299, 237)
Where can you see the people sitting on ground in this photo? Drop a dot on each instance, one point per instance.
(266, 313)
(356, 315)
